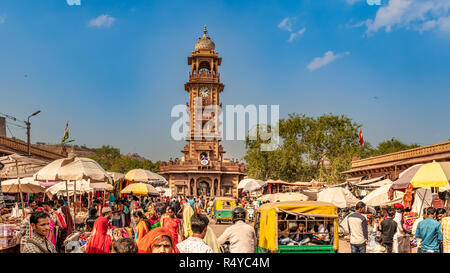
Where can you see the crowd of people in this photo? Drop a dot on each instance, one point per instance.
(398, 230)
(144, 225)
(181, 224)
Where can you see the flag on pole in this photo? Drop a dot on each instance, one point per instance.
(361, 139)
(66, 133)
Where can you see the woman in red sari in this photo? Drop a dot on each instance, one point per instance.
(99, 242)
(173, 224)
(158, 240)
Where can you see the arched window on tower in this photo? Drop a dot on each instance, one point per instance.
(204, 69)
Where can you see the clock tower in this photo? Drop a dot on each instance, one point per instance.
(203, 171)
(204, 87)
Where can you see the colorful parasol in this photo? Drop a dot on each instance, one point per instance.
(140, 189)
(435, 174)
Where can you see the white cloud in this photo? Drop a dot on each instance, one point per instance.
(286, 24)
(295, 35)
(328, 58)
(420, 15)
(73, 2)
(102, 21)
(2, 18)
(351, 2)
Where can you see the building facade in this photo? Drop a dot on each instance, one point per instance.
(203, 170)
(391, 165)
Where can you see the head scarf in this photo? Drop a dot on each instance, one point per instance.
(99, 241)
(187, 214)
(153, 220)
(68, 217)
(145, 245)
(211, 240)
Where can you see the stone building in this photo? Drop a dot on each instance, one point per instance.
(203, 170)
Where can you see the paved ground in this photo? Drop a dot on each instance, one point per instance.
(344, 246)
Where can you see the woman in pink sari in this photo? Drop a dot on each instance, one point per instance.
(173, 224)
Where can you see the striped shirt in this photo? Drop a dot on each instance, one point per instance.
(445, 228)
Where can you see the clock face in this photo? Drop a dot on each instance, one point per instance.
(204, 92)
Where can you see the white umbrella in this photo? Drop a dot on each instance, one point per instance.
(380, 197)
(250, 184)
(146, 176)
(73, 169)
(340, 197)
(82, 187)
(27, 185)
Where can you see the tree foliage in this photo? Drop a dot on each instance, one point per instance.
(304, 141)
(111, 160)
(390, 146)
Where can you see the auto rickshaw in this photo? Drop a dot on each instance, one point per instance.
(223, 208)
(297, 227)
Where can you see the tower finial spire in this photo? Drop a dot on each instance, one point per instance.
(205, 30)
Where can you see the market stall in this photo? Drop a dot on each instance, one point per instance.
(73, 169)
(340, 197)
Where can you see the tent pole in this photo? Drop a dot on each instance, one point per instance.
(423, 201)
(74, 204)
(67, 194)
(20, 189)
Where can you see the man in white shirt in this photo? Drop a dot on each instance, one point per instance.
(241, 236)
(195, 243)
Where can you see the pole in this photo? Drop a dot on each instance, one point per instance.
(20, 189)
(74, 204)
(28, 137)
(67, 194)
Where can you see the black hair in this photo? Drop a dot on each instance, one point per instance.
(391, 212)
(92, 211)
(441, 211)
(51, 203)
(143, 217)
(35, 216)
(360, 205)
(199, 222)
(61, 202)
(125, 245)
(39, 203)
(431, 211)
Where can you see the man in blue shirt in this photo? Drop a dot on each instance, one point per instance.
(191, 202)
(429, 230)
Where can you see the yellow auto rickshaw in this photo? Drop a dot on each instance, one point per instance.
(222, 209)
(297, 227)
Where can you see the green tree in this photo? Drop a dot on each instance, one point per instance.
(304, 140)
(111, 160)
(391, 146)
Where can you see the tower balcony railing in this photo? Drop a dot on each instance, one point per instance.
(204, 75)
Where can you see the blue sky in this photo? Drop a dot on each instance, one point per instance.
(114, 69)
